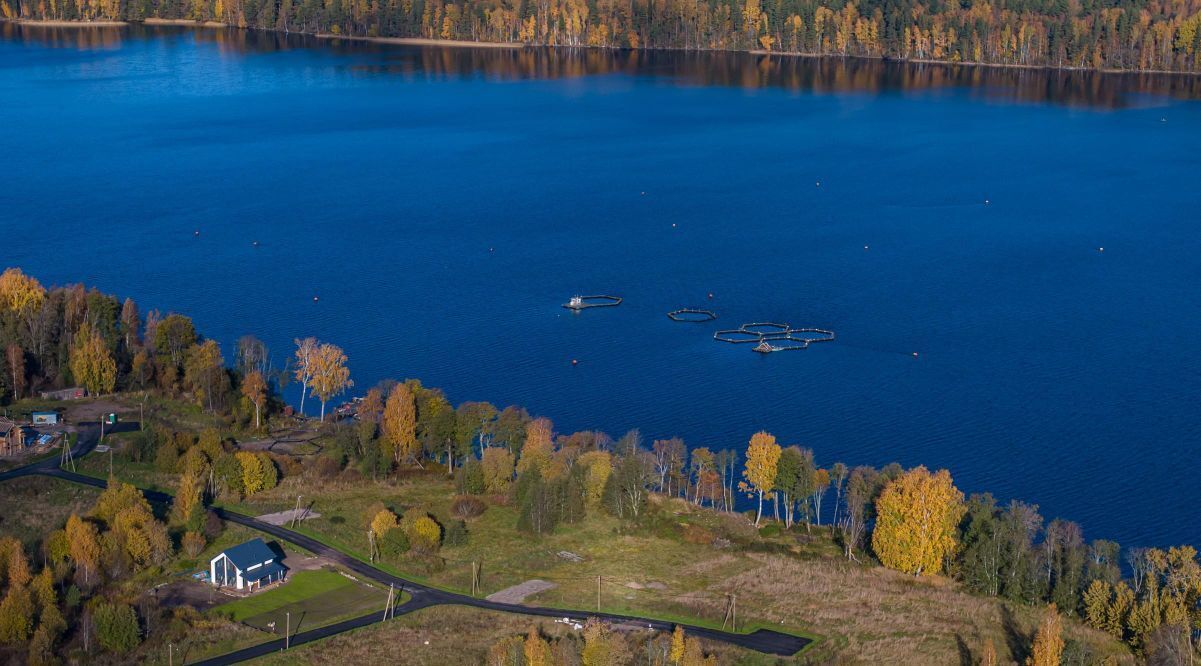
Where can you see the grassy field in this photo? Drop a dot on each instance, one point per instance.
(795, 581)
(314, 598)
(35, 506)
(449, 635)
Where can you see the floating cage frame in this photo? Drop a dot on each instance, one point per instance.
(700, 317)
(578, 303)
(765, 335)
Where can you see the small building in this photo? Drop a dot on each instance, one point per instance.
(45, 418)
(12, 438)
(248, 566)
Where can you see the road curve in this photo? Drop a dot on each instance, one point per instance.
(422, 596)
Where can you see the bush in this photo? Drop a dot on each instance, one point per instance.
(394, 544)
(737, 528)
(193, 543)
(116, 627)
(770, 530)
(456, 534)
(468, 507)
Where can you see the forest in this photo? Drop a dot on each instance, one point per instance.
(1146, 35)
(913, 521)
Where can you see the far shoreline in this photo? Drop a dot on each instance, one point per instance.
(469, 44)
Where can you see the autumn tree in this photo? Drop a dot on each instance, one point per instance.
(306, 361)
(916, 519)
(204, 369)
(498, 465)
(20, 294)
(537, 650)
(84, 541)
(539, 445)
(91, 362)
(762, 457)
(130, 323)
(16, 615)
(400, 425)
(371, 408)
(330, 375)
(254, 388)
(258, 472)
(598, 465)
(1048, 641)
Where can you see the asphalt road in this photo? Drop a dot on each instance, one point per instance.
(762, 640)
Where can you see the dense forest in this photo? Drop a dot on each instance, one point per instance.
(1110, 34)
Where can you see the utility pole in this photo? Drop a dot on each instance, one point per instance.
(110, 461)
(296, 512)
(288, 631)
(388, 604)
(598, 593)
(170, 654)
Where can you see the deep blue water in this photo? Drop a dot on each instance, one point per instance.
(443, 203)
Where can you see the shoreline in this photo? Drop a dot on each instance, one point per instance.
(463, 43)
(422, 41)
(187, 23)
(65, 24)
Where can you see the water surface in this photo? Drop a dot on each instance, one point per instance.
(442, 203)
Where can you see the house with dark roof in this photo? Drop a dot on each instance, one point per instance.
(248, 566)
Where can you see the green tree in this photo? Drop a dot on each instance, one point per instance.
(116, 627)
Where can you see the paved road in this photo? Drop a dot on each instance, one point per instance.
(762, 640)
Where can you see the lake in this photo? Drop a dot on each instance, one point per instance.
(443, 203)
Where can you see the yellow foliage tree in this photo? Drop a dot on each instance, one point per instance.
(599, 465)
(916, 518)
(254, 387)
(258, 472)
(677, 645)
(538, 447)
(330, 375)
(497, 464)
(20, 293)
(91, 363)
(762, 458)
(1048, 641)
(425, 535)
(400, 424)
(383, 521)
(84, 541)
(16, 615)
(537, 650)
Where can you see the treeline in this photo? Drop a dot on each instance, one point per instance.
(1125, 34)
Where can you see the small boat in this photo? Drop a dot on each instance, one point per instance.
(764, 347)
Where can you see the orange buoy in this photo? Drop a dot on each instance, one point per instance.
(575, 361)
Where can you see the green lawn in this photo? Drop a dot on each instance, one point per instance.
(314, 599)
